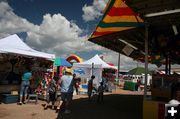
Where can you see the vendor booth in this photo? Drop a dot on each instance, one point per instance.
(15, 55)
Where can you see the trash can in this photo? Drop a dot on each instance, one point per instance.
(129, 85)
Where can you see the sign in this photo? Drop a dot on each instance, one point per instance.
(127, 50)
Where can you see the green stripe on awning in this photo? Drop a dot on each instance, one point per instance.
(120, 24)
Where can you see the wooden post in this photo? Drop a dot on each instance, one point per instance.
(146, 60)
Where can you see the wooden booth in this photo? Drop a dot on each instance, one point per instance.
(165, 86)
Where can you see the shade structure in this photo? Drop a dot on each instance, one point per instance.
(138, 71)
(14, 45)
(163, 30)
(61, 62)
(117, 17)
(96, 60)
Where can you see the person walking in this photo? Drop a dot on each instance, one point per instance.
(52, 93)
(26, 77)
(67, 89)
(76, 83)
(58, 95)
(90, 87)
(100, 93)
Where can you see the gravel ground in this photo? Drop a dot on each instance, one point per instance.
(118, 104)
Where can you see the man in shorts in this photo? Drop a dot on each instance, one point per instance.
(67, 89)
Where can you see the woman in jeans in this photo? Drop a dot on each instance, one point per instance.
(26, 77)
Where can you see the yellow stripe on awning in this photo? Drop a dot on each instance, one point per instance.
(119, 4)
(115, 29)
(109, 19)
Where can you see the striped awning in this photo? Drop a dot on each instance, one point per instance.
(117, 17)
(121, 28)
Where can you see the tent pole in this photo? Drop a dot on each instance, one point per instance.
(117, 76)
(146, 60)
(166, 67)
(169, 61)
(118, 66)
(92, 69)
(52, 69)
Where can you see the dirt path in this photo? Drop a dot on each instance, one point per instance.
(119, 104)
(115, 106)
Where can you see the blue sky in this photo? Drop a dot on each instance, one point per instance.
(61, 27)
(33, 10)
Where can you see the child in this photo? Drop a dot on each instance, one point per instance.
(100, 92)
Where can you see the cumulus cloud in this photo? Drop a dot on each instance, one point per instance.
(11, 23)
(94, 11)
(55, 34)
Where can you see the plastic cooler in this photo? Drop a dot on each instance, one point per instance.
(8, 98)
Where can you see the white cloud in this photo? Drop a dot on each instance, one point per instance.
(93, 11)
(11, 23)
(126, 63)
(55, 34)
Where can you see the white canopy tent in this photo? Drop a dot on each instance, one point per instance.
(13, 44)
(93, 66)
(96, 60)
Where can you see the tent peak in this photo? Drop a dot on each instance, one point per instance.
(13, 44)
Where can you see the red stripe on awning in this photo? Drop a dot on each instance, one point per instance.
(101, 33)
(121, 12)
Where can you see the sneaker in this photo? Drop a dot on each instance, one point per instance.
(67, 111)
(58, 108)
(45, 107)
(19, 103)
